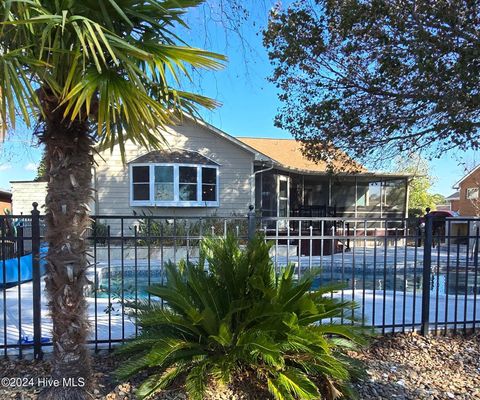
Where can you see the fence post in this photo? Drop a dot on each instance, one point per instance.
(427, 270)
(36, 287)
(251, 223)
(20, 240)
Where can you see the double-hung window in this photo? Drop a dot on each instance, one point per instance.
(164, 183)
(141, 183)
(174, 185)
(187, 183)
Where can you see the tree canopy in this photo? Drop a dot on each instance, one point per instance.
(91, 58)
(378, 77)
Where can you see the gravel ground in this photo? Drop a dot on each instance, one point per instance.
(412, 367)
(404, 366)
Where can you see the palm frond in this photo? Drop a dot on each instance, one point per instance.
(298, 384)
(157, 382)
(278, 390)
(195, 384)
(103, 61)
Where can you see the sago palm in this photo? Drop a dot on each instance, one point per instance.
(228, 316)
(84, 73)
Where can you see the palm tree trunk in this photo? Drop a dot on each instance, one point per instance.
(68, 162)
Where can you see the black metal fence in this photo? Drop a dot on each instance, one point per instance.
(405, 275)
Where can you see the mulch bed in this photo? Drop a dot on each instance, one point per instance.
(401, 366)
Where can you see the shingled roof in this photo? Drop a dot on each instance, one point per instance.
(288, 153)
(174, 156)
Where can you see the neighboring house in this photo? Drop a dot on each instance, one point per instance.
(205, 171)
(5, 201)
(24, 193)
(466, 201)
(452, 202)
(443, 207)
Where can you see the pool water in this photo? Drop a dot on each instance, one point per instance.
(454, 283)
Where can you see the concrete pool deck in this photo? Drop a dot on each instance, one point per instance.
(109, 325)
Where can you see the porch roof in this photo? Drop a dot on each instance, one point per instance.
(288, 156)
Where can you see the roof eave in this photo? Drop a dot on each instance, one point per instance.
(277, 165)
(456, 186)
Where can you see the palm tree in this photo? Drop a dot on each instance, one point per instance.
(85, 73)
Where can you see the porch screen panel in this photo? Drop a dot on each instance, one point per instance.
(283, 198)
(369, 202)
(258, 191)
(296, 192)
(343, 196)
(269, 195)
(315, 192)
(394, 192)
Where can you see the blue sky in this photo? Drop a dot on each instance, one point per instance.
(249, 101)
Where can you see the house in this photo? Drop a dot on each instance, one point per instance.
(24, 193)
(451, 203)
(466, 200)
(5, 201)
(443, 207)
(207, 172)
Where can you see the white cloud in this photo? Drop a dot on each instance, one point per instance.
(5, 167)
(31, 167)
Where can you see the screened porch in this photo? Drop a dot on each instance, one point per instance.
(365, 195)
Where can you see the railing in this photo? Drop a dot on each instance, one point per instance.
(404, 276)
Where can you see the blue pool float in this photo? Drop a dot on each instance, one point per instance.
(9, 269)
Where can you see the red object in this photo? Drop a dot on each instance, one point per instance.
(438, 215)
(443, 213)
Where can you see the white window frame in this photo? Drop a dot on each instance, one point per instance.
(283, 223)
(176, 202)
(469, 191)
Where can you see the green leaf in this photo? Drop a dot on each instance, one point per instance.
(88, 53)
(297, 383)
(224, 336)
(157, 382)
(195, 383)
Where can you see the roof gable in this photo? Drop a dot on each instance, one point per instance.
(259, 156)
(453, 196)
(457, 185)
(216, 131)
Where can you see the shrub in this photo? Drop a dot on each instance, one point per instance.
(228, 315)
(99, 231)
(158, 231)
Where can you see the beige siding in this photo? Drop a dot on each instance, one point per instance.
(25, 193)
(236, 167)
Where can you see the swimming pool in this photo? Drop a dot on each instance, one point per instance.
(133, 283)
